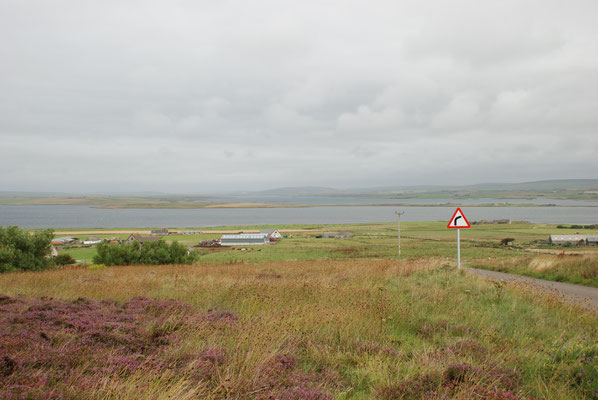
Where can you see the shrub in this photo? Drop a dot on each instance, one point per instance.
(64, 259)
(154, 253)
(20, 251)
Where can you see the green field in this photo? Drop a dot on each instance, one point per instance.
(375, 241)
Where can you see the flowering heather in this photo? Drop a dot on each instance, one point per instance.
(51, 347)
(425, 386)
(465, 348)
(215, 317)
(280, 380)
(486, 382)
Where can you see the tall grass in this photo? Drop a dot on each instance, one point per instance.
(580, 269)
(300, 330)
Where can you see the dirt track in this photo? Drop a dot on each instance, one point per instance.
(584, 296)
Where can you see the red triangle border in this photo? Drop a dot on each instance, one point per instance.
(453, 217)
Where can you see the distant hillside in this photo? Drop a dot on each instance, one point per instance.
(573, 189)
(295, 191)
(563, 188)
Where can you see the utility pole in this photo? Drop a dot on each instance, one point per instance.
(399, 215)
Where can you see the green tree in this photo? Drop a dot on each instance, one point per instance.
(21, 251)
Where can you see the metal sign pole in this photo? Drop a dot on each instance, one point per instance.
(458, 248)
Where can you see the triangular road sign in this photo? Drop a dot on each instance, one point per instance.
(458, 220)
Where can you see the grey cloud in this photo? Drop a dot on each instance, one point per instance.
(191, 95)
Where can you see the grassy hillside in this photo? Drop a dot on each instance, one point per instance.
(289, 330)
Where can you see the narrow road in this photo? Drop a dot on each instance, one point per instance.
(584, 296)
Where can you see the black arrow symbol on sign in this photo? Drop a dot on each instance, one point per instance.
(456, 218)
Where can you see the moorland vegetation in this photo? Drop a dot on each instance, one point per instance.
(371, 329)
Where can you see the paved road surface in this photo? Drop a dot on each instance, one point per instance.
(585, 296)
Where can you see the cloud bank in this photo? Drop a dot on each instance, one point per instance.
(199, 96)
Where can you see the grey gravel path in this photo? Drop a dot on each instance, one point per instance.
(585, 296)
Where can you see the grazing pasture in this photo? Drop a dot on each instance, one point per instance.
(480, 246)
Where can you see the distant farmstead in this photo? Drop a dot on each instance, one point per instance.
(244, 239)
(162, 231)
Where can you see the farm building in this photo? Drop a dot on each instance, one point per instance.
(562, 239)
(273, 234)
(592, 240)
(337, 235)
(92, 240)
(244, 239)
(162, 231)
(65, 240)
(142, 239)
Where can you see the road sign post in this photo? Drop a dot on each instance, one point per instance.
(457, 222)
(458, 248)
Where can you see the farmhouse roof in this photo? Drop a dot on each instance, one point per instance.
(246, 236)
(142, 239)
(148, 239)
(567, 238)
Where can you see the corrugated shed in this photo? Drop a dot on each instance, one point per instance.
(246, 236)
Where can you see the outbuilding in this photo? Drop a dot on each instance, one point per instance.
(592, 240)
(336, 235)
(244, 239)
(142, 239)
(92, 240)
(273, 234)
(562, 239)
(65, 240)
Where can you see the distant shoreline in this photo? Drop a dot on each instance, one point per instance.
(203, 205)
(268, 205)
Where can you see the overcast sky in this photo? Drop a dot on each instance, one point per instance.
(204, 96)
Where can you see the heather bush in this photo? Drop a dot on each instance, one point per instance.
(152, 253)
(20, 251)
(47, 343)
(279, 379)
(480, 382)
